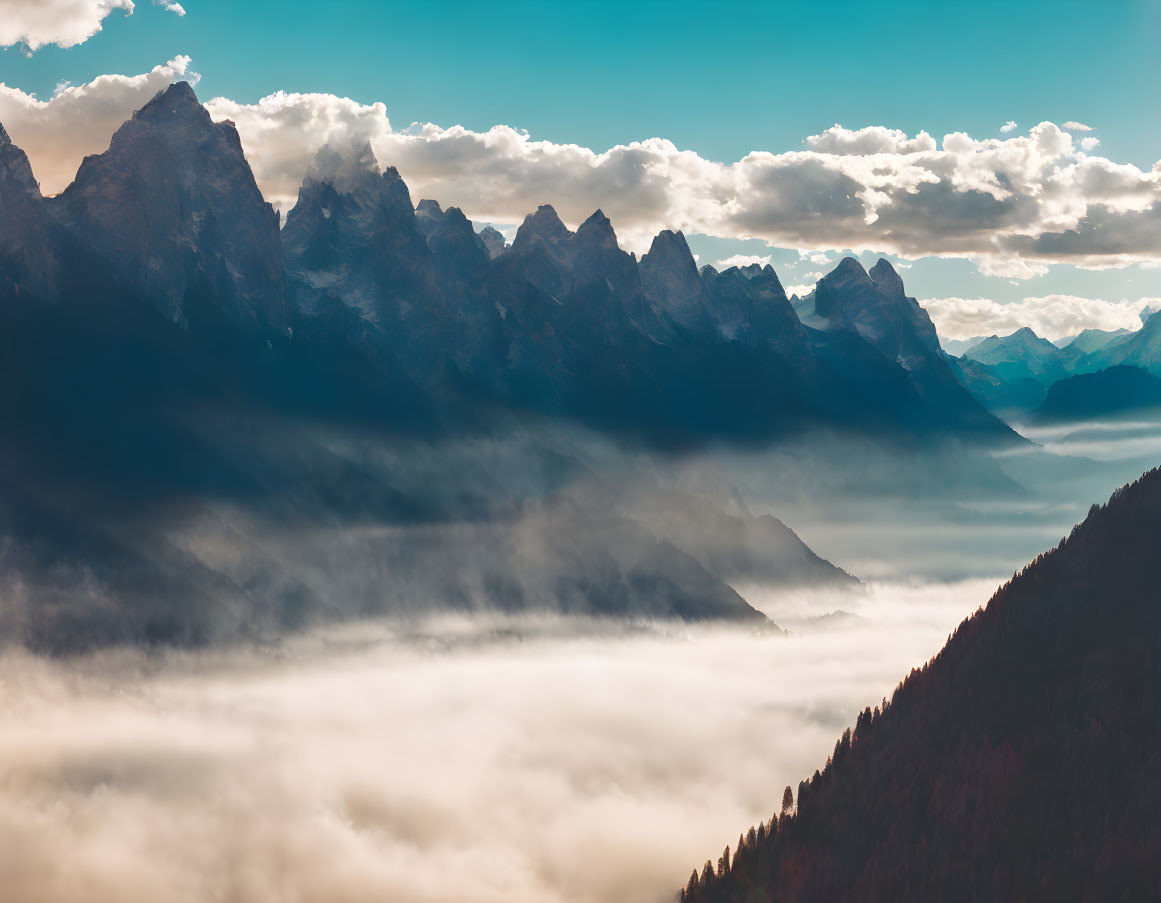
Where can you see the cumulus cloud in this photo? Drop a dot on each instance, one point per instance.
(1010, 126)
(742, 260)
(34, 23)
(1014, 205)
(1050, 316)
(875, 139)
(490, 759)
(282, 132)
(170, 7)
(1074, 126)
(1090, 143)
(79, 119)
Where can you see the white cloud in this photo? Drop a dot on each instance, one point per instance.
(1074, 126)
(1014, 205)
(486, 759)
(742, 260)
(818, 258)
(1050, 316)
(875, 139)
(1010, 126)
(170, 7)
(801, 290)
(1089, 144)
(34, 23)
(282, 132)
(79, 119)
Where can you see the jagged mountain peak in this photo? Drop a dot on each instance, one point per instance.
(671, 282)
(848, 265)
(885, 276)
(430, 216)
(340, 164)
(597, 229)
(544, 224)
(177, 102)
(494, 241)
(173, 204)
(454, 215)
(671, 246)
(14, 166)
(755, 270)
(28, 262)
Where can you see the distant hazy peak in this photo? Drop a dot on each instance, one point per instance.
(493, 241)
(1023, 339)
(336, 164)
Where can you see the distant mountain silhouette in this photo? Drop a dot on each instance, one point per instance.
(1089, 340)
(1021, 763)
(956, 347)
(1107, 393)
(1138, 349)
(1021, 355)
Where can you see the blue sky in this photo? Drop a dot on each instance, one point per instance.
(721, 79)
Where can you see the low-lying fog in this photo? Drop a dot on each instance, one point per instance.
(932, 522)
(484, 758)
(521, 757)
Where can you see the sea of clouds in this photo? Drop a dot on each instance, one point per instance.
(486, 758)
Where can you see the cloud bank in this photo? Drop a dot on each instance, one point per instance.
(1014, 204)
(525, 761)
(1050, 316)
(32, 24)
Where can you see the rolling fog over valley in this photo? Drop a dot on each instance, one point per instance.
(499, 758)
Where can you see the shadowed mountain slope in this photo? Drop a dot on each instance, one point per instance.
(1020, 764)
(1114, 392)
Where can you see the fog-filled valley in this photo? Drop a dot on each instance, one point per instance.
(362, 753)
(487, 757)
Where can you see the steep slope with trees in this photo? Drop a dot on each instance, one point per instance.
(1021, 763)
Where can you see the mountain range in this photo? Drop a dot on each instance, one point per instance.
(1011, 375)
(182, 373)
(560, 323)
(1019, 764)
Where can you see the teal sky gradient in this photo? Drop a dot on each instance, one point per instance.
(719, 78)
